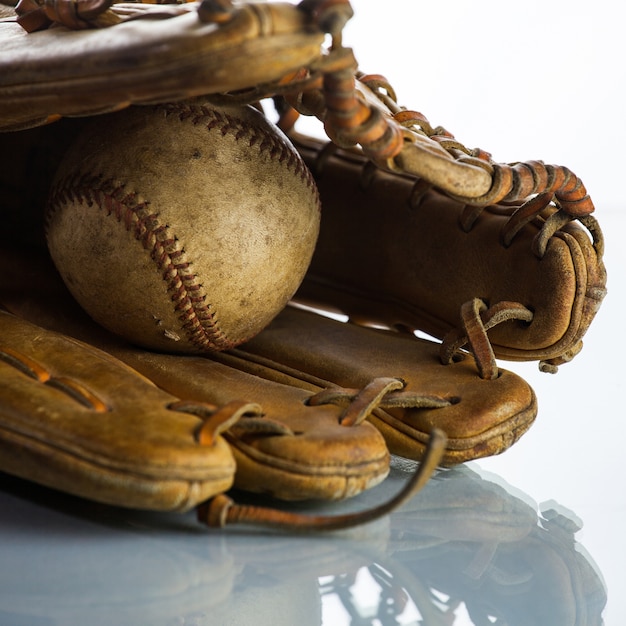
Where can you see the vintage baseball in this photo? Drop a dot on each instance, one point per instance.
(183, 227)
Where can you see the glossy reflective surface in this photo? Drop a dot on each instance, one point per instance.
(468, 550)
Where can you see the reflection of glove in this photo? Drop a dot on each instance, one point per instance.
(471, 540)
(465, 545)
(96, 565)
(104, 565)
(468, 545)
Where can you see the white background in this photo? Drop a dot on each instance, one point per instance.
(538, 79)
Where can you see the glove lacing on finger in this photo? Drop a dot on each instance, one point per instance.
(222, 510)
(248, 418)
(383, 393)
(404, 141)
(510, 182)
(477, 317)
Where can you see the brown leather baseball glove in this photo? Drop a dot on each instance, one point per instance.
(78, 59)
(80, 412)
(63, 59)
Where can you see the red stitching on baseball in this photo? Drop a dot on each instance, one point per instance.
(267, 142)
(196, 317)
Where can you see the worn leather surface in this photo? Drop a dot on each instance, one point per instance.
(484, 417)
(75, 418)
(294, 451)
(382, 257)
(168, 54)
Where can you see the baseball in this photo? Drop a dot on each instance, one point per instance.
(183, 227)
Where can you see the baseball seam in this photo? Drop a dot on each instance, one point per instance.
(267, 143)
(197, 318)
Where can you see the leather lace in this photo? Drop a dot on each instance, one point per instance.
(383, 393)
(248, 418)
(477, 319)
(222, 510)
(509, 182)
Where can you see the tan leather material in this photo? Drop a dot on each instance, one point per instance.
(315, 457)
(162, 54)
(481, 417)
(74, 418)
(294, 451)
(393, 251)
